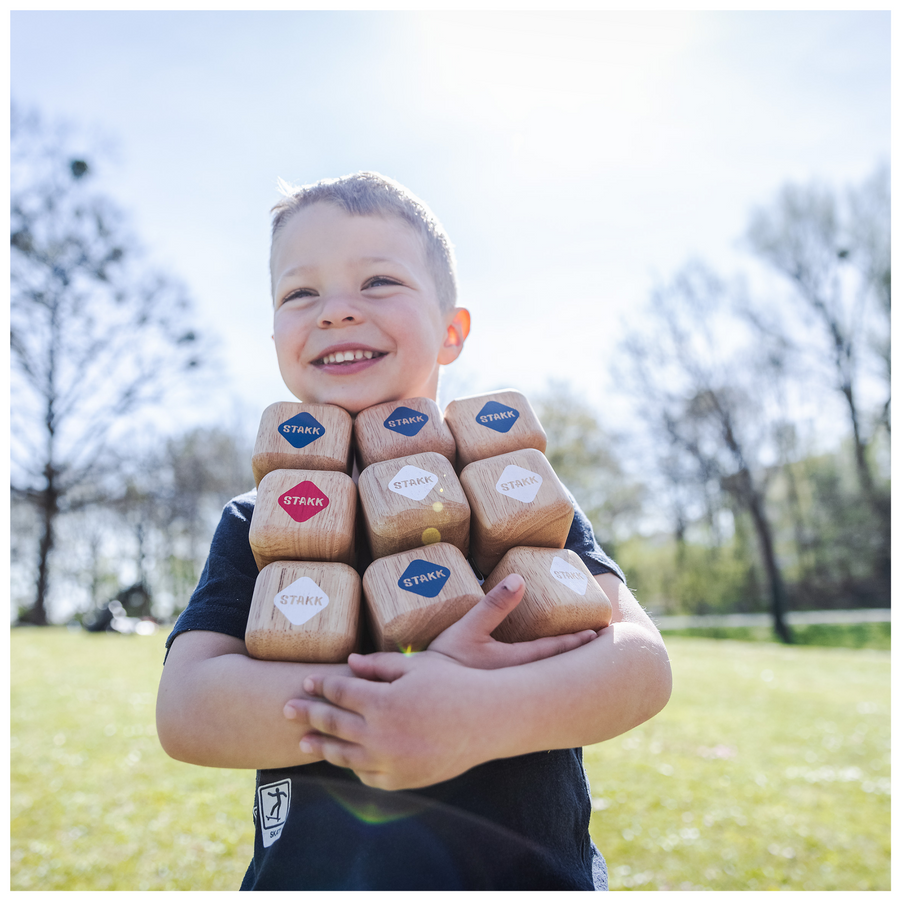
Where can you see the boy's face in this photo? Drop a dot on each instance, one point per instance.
(357, 320)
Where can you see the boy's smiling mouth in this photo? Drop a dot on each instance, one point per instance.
(350, 357)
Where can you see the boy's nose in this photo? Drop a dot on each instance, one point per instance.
(337, 311)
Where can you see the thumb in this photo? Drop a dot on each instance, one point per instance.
(497, 604)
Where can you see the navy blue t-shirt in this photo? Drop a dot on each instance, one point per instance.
(509, 824)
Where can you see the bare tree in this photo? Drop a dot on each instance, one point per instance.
(583, 452)
(702, 395)
(171, 499)
(95, 335)
(836, 255)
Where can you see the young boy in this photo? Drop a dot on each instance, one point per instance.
(447, 769)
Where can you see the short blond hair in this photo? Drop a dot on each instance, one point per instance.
(372, 194)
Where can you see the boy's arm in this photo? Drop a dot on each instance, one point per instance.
(217, 706)
(425, 718)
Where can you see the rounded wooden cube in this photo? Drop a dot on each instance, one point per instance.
(411, 597)
(401, 428)
(305, 612)
(304, 515)
(561, 595)
(302, 436)
(412, 501)
(516, 500)
(490, 424)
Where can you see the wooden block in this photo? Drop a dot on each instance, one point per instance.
(411, 597)
(412, 501)
(304, 515)
(401, 428)
(302, 436)
(305, 612)
(516, 500)
(561, 595)
(490, 424)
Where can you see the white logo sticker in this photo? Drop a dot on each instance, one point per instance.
(273, 803)
(568, 575)
(413, 482)
(519, 483)
(301, 600)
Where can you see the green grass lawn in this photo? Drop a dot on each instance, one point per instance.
(769, 769)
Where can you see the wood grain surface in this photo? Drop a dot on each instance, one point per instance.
(401, 428)
(561, 595)
(328, 593)
(285, 497)
(474, 427)
(401, 615)
(502, 520)
(397, 518)
(279, 426)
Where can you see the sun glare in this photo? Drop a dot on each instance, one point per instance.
(531, 75)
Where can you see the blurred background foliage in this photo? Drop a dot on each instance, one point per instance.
(753, 477)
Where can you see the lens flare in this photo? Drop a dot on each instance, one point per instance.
(431, 536)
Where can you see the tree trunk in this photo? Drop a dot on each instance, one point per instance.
(777, 590)
(49, 506)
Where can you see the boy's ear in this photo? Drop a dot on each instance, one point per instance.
(457, 332)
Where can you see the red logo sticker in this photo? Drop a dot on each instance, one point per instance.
(303, 501)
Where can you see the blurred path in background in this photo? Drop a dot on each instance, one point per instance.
(752, 620)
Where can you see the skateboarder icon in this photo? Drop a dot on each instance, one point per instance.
(275, 813)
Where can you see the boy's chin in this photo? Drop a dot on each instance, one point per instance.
(352, 402)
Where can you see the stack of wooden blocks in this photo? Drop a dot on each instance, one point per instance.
(434, 492)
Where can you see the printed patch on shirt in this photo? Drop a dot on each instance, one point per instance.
(497, 416)
(303, 501)
(413, 482)
(301, 430)
(274, 803)
(519, 483)
(424, 578)
(406, 421)
(301, 600)
(567, 574)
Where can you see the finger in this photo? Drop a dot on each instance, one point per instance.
(334, 721)
(339, 753)
(497, 604)
(344, 691)
(379, 666)
(541, 648)
(312, 684)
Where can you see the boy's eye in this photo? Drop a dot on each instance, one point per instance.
(380, 281)
(298, 295)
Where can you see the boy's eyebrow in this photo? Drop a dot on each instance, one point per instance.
(382, 259)
(376, 260)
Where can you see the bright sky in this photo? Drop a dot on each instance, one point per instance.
(574, 158)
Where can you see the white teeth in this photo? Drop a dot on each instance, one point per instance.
(346, 356)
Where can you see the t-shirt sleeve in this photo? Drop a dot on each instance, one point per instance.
(581, 540)
(221, 600)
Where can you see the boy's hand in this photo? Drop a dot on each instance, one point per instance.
(399, 723)
(469, 640)
(422, 724)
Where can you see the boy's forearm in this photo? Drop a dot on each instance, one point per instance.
(225, 710)
(582, 697)
(593, 693)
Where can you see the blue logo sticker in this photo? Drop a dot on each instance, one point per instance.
(406, 421)
(424, 578)
(497, 416)
(302, 430)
